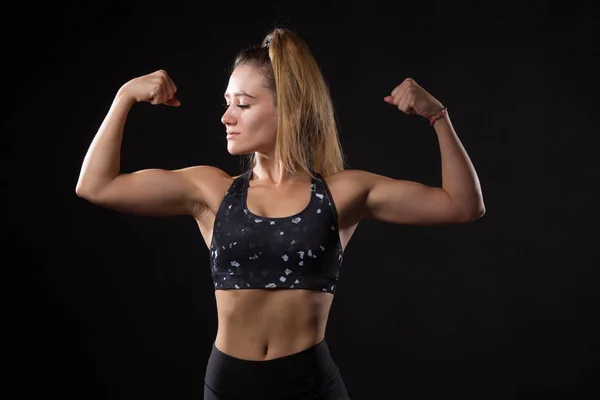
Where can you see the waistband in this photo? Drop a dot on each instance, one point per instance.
(300, 372)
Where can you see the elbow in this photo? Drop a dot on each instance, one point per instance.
(87, 188)
(471, 214)
(92, 191)
(475, 214)
(84, 192)
(81, 191)
(480, 209)
(478, 214)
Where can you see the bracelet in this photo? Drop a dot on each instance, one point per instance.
(440, 115)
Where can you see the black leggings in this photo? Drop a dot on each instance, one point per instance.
(310, 374)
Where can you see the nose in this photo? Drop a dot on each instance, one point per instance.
(228, 118)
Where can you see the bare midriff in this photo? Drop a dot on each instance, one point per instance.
(263, 324)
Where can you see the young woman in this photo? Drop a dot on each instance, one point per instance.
(277, 232)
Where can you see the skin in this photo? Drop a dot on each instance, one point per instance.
(252, 323)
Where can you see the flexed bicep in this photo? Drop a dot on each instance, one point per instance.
(157, 192)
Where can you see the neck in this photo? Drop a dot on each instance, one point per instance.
(268, 171)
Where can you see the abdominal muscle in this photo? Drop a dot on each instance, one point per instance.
(263, 324)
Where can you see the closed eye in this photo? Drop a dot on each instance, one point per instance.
(244, 106)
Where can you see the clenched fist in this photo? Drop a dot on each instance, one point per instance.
(411, 98)
(154, 88)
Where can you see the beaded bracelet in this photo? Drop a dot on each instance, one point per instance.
(440, 115)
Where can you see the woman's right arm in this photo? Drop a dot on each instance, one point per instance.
(151, 191)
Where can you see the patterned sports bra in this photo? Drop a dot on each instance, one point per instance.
(302, 251)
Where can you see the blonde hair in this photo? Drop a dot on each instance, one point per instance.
(307, 134)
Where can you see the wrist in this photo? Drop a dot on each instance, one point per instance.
(124, 95)
(433, 117)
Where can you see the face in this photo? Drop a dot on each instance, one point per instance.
(251, 113)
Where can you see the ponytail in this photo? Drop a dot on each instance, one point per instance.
(307, 136)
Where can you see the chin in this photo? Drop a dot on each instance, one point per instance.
(238, 151)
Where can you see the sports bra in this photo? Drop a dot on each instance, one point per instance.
(301, 251)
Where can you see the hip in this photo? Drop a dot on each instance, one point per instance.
(307, 374)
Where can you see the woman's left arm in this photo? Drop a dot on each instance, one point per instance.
(459, 199)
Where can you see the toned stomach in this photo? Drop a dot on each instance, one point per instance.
(262, 324)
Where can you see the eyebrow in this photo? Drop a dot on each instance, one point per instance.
(241, 93)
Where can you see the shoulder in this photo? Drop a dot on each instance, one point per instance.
(210, 182)
(350, 189)
(351, 179)
(355, 186)
(350, 186)
(203, 172)
(208, 176)
(204, 175)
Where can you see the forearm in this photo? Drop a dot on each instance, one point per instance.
(102, 161)
(459, 178)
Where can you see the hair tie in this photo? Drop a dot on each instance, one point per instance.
(269, 40)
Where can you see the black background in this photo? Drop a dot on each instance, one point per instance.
(104, 305)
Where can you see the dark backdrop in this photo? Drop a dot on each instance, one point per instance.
(103, 305)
